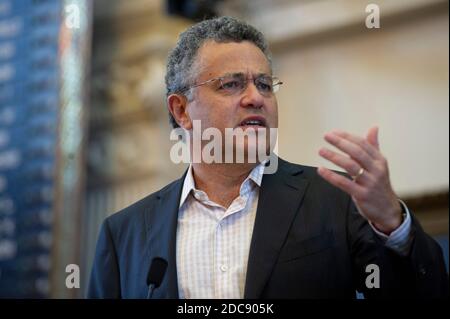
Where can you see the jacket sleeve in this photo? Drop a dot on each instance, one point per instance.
(420, 274)
(105, 278)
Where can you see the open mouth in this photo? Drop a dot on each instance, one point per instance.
(254, 121)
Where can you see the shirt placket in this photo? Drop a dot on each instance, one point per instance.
(221, 266)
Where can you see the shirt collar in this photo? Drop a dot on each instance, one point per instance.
(255, 175)
(188, 185)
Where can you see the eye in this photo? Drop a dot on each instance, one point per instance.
(264, 85)
(230, 85)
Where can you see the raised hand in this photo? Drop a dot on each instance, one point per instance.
(370, 186)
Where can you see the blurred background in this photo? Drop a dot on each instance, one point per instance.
(84, 130)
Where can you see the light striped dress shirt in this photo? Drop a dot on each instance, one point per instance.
(213, 242)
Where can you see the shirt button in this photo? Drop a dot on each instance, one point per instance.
(224, 268)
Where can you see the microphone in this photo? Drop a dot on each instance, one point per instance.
(155, 274)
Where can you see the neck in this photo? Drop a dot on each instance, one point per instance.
(221, 182)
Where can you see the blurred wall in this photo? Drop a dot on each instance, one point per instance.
(395, 77)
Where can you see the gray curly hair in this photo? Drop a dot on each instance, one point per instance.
(179, 74)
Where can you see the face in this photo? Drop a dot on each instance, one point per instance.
(213, 107)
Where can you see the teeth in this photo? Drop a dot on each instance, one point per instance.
(253, 122)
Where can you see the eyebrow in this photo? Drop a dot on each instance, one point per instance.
(244, 74)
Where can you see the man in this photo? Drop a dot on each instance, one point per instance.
(227, 230)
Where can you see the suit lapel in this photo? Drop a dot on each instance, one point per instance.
(279, 200)
(161, 224)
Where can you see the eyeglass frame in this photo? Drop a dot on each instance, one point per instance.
(220, 78)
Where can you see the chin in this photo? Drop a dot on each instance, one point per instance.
(250, 151)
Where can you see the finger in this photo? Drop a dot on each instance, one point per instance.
(345, 162)
(372, 137)
(341, 182)
(365, 144)
(355, 151)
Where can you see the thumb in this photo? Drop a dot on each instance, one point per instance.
(372, 137)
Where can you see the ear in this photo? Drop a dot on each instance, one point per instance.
(177, 104)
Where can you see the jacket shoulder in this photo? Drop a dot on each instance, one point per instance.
(135, 212)
(312, 176)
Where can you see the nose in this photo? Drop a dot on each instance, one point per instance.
(251, 97)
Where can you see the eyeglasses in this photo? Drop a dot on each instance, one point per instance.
(234, 84)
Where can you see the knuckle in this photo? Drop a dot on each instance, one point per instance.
(380, 171)
(364, 195)
(360, 154)
(383, 161)
(377, 174)
(362, 142)
(371, 183)
(331, 155)
(342, 182)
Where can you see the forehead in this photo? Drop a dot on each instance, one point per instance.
(216, 59)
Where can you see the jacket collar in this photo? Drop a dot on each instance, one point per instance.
(280, 197)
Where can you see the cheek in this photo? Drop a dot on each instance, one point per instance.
(211, 116)
(273, 111)
(199, 112)
(221, 115)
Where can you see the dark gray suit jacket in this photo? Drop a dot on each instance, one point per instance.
(308, 242)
